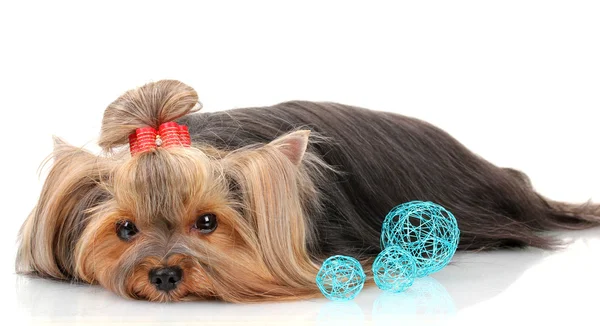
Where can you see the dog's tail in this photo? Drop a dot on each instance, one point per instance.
(559, 215)
(511, 213)
(572, 216)
(543, 214)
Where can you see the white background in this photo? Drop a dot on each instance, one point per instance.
(516, 81)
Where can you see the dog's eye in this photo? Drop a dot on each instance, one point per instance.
(206, 223)
(126, 230)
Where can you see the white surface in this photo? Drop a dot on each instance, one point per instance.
(515, 81)
(493, 287)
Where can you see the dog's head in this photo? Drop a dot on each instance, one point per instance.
(174, 223)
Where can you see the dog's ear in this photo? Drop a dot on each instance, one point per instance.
(57, 141)
(273, 188)
(61, 148)
(50, 233)
(293, 145)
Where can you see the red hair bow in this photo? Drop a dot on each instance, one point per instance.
(169, 134)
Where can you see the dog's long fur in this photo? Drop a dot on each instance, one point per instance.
(285, 198)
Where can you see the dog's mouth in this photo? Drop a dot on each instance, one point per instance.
(151, 292)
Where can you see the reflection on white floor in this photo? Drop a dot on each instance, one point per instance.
(515, 281)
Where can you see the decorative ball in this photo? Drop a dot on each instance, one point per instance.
(394, 269)
(341, 278)
(426, 230)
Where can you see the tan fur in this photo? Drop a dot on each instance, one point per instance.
(70, 188)
(258, 252)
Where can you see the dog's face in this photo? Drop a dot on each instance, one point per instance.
(170, 218)
(177, 224)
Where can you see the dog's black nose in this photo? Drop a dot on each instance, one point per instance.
(166, 278)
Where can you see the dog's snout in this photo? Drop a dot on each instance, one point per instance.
(166, 278)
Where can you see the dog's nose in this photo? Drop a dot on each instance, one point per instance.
(166, 278)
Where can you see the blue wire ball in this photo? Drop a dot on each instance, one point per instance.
(341, 278)
(426, 230)
(394, 269)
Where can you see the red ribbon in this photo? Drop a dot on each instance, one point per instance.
(169, 134)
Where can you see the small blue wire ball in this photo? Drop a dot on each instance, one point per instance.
(426, 230)
(394, 269)
(341, 278)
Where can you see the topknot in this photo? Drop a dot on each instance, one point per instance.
(147, 106)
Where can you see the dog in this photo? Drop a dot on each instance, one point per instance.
(244, 205)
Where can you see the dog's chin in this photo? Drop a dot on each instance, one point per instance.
(171, 296)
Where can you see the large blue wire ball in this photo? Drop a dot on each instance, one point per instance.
(394, 269)
(341, 278)
(426, 230)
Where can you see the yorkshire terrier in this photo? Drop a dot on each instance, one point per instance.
(248, 210)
